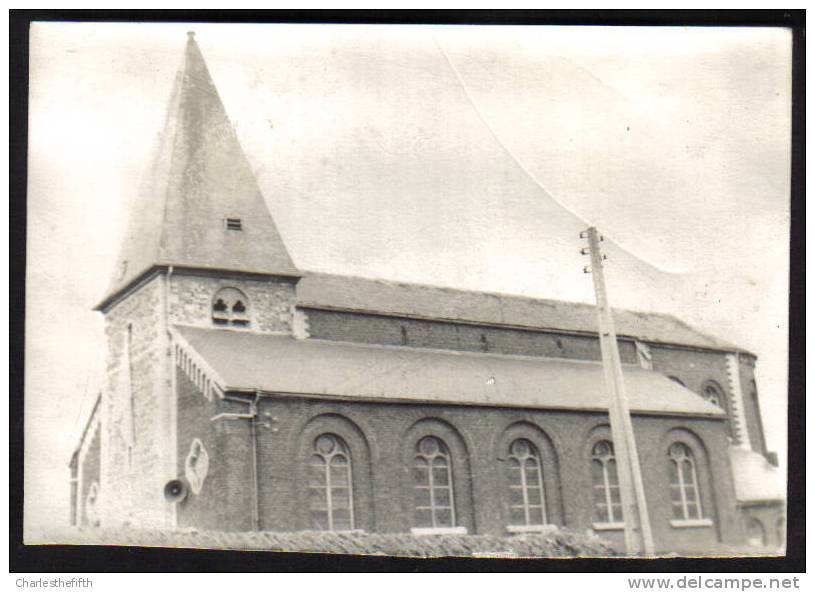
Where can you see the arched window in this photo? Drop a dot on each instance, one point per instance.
(527, 505)
(331, 500)
(684, 485)
(433, 485)
(713, 394)
(230, 306)
(756, 536)
(607, 505)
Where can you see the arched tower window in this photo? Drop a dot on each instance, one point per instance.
(684, 485)
(434, 506)
(230, 306)
(527, 506)
(607, 504)
(331, 499)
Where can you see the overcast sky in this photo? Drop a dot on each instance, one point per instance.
(461, 156)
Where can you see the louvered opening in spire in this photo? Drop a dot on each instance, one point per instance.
(199, 178)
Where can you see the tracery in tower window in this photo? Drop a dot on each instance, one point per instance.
(230, 306)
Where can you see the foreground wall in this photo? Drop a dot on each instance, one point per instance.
(381, 440)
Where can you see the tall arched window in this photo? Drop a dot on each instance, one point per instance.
(331, 499)
(527, 506)
(607, 505)
(684, 484)
(434, 506)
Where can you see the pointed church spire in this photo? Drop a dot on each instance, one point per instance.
(200, 205)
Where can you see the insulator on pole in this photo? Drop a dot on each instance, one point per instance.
(586, 269)
(585, 251)
(584, 233)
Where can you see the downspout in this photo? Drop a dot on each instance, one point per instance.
(172, 412)
(253, 444)
(167, 295)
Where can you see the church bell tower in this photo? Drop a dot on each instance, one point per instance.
(201, 249)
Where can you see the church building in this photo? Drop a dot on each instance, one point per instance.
(243, 393)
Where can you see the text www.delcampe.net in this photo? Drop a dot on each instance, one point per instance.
(700, 582)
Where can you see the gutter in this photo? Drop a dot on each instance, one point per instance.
(717, 416)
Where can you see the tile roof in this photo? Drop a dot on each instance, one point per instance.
(281, 364)
(321, 290)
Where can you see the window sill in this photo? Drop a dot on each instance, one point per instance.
(608, 525)
(442, 530)
(696, 523)
(534, 528)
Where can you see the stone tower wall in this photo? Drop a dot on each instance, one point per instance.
(271, 302)
(133, 405)
(139, 403)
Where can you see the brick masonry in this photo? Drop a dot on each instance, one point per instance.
(225, 500)
(696, 368)
(382, 437)
(387, 330)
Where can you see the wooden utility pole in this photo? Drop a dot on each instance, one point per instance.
(638, 537)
